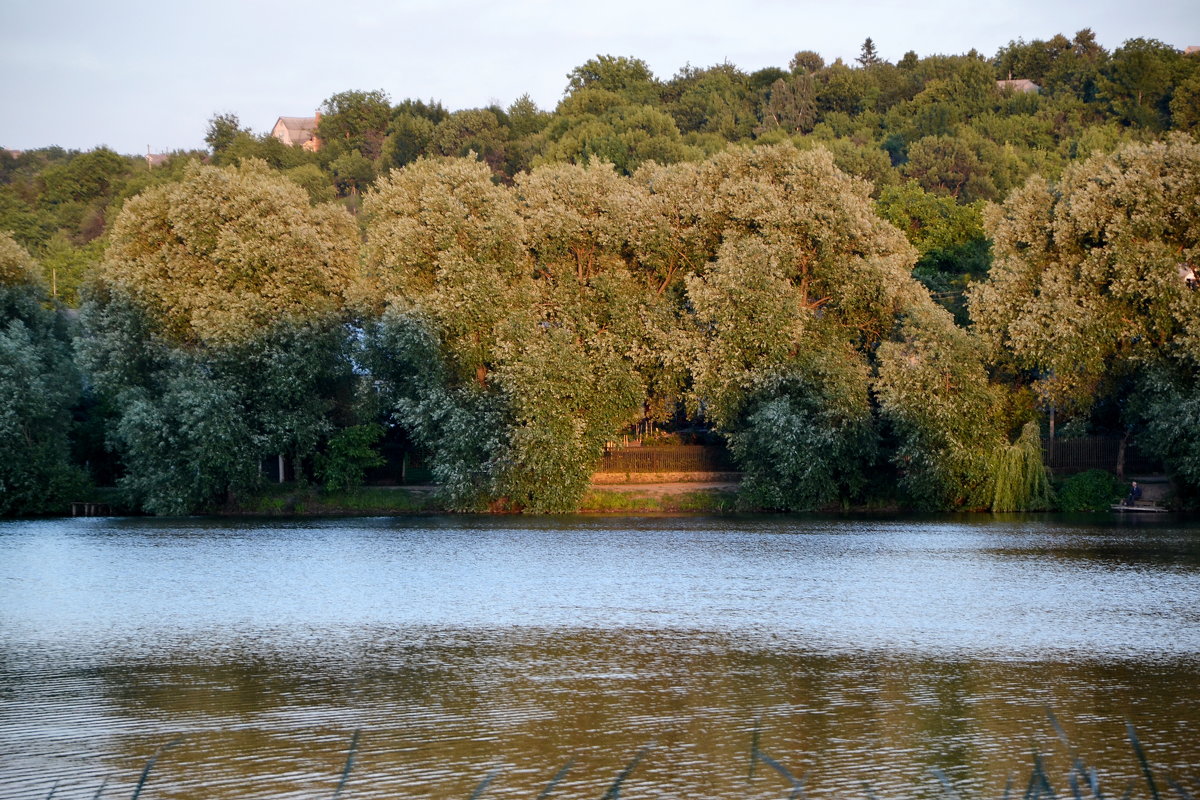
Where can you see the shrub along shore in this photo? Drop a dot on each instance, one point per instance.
(1091, 491)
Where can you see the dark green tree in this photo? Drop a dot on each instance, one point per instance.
(354, 120)
(868, 56)
(791, 105)
(477, 131)
(630, 78)
(38, 387)
(352, 172)
(1137, 82)
(954, 250)
(215, 332)
(948, 165)
(223, 129)
(715, 100)
(409, 137)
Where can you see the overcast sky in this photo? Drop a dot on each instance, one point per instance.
(135, 73)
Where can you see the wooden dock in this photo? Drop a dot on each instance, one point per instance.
(1140, 507)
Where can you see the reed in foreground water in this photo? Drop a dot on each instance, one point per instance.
(1082, 781)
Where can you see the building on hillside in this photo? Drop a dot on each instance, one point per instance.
(1023, 85)
(1190, 49)
(298, 131)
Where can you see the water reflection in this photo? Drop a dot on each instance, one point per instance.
(863, 652)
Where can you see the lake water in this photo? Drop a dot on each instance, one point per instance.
(864, 654)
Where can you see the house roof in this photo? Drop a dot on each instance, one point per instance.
(298, 129)
(1018, 85)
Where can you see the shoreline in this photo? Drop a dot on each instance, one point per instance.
(681, 494)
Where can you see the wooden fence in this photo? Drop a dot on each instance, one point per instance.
(669, 458)
(1067, 456)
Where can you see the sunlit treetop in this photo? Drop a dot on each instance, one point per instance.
(227, 252)
(17, 267)
(820, 226)
(578, 217)
(1093, 273)
(434, 209)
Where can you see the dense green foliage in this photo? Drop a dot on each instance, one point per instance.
(193, 425)
(869, 280)
(1020, 481)
(351, 452)
(1092, 296)
(1088, 287)
(224, 252)
(213, 332)
(1094, 490)
(38, 387)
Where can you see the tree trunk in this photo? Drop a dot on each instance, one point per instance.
(1121, 456)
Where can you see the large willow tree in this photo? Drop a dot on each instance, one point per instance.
(804, 326)
(802, 283)
(445, 261)
(1090, 290)
(510, 313)
(214, 331)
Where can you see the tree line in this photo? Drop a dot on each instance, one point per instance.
(869, 281)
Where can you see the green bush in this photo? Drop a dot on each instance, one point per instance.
(350, 454)
(1094, 490)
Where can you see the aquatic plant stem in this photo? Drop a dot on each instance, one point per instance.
(349, 763)
(150, 765)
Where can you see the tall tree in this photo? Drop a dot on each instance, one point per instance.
(868, 56)
(714, 100)
(214, 331)
(630, 78)
(223, 130)
(228, 251)
(447, 265)
(803, 284)
(527, 299)
(38, 387)
(354, 120)
(791, 105)
(1137, 81)
(1089, 281)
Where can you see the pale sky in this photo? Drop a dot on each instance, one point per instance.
(135, 73)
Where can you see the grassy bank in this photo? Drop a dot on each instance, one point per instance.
(311, 501)
(386, 500)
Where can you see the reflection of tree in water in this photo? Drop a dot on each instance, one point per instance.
(439, 711)
(941, 701)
